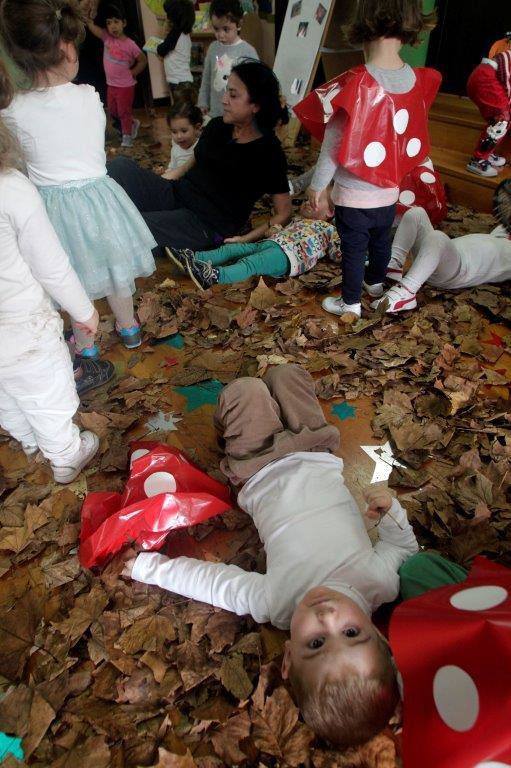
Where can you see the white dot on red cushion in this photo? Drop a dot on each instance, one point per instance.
(427, 177)
(456, 697)
(407, 197)
(401, 121)
(492, 764)
(159, 482)
(413, 147)
(138, 455)
(479, 598)
(374, 154)
(428, 164)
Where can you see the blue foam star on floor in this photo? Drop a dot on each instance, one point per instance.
(344, 411)
(197, 395)
(175, 341)
(10, 745)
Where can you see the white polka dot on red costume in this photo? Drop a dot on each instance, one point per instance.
(138, 455)
(374, 154)
(407, 197)
(428, 163)
(413, 147)
(427, 177)
(479, 598)
(492, 764)
(400, 121)
(456, 698)
(159, 482)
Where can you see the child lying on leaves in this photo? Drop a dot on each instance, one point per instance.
(324, 577)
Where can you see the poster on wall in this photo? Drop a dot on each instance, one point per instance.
(300, 41)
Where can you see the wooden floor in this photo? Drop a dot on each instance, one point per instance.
(454, 126)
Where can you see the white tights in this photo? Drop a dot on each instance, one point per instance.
(122, 307)
(435, 259)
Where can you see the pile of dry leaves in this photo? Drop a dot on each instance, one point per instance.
(99, 672)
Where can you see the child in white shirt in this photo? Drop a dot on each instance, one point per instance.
(176, 49)
(323, 576)
(38, 396)
(185, 123)
(61, 127)
(444, 263)
(228, 49)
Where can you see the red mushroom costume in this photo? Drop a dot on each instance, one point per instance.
(423, 187)
(453, 649)
(386, 134)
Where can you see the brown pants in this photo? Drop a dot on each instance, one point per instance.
(262, 420)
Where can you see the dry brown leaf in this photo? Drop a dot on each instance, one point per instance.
(276, 729)
(149, 634)
(234, 678)
(92, 753)
(156, 664)
(170, 760)
(221, 629)
(87, 608)
(226, 740)
(263, 297)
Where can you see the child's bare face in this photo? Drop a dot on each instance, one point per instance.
(183, 132)
(323, 212)
(226, 31)
(115, 27)
(329, 635)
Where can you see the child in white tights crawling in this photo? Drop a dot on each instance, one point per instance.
(38, 396)
(61, 128)
(443, 263)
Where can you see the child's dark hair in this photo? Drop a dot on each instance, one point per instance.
(402, 19)
(186, 110)
(181, 14)
(263, 89)
(231, 9)
(33, 29)
(9, 149)
(114, 11)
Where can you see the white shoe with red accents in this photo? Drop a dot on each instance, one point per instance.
(336, 306)
(398, 298)
(394, 270)
(373, 289)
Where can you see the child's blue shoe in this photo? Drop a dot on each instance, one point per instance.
(130, 337)
(89, 352)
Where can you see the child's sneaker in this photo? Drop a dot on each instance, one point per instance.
(88, 353)
(30, 450)
(89, 444)
(203, 274)
(95, 373)
(374, 289)
(399, 299)
(130, 337)
(497, 160)
(127, 141)
(180, 256)
(481, 167)
(336, 306)
(135, 128)
(394, 271)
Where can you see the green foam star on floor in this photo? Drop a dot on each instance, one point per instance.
(176, 341)
(197, 395)
(10, 745)
(344, 411)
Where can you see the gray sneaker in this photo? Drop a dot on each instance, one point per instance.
(89, 444)
(481, 167)
(127, 141)
(135, 128)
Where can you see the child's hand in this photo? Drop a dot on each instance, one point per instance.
(204, 110)
(90, 326)
(314, 198)
(379, 501)
(128, 567)
(169, 175)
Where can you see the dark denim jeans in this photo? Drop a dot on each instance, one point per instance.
(363, 232)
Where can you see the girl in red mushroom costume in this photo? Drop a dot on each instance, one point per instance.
(373, 123)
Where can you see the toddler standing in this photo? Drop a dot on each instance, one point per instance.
(61, 127)
(185, 123)
(123, 61)
(176, 49)
(228, 49)
(376, 133)
(323, 576)
(38, 396)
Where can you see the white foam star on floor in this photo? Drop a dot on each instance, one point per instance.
(384, 460)
(163, 422)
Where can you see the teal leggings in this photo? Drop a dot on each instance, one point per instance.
(428, 570)
(264, 258)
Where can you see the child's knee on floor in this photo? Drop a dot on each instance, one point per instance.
(340, 668)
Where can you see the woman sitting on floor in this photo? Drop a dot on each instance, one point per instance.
(237, 160)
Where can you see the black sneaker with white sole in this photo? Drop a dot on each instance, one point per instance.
(203, 274)
(179, 256)
(94, 373)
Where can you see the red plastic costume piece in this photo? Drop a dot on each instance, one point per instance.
(488, 93)
(453, 648)
(423, 187)
(165, 491)
(386, 134)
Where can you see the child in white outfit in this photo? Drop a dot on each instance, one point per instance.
(38, 396)
(61, 127)
(444, 263)
(185, 123)
(323, 576)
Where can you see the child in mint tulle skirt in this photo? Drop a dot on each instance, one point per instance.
(61, 127)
